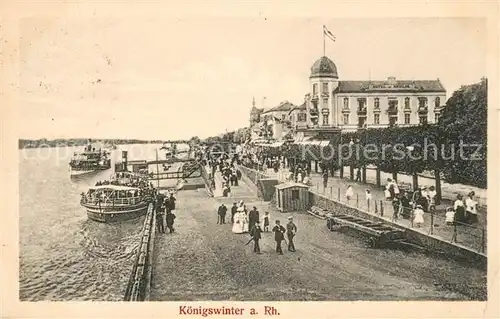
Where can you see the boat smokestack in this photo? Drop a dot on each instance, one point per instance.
(124, 160)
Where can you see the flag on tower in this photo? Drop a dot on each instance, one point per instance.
(328, 33)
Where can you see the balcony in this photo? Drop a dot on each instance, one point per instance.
(314, 111)
(392, 110)
(362, 110)
(423, 109)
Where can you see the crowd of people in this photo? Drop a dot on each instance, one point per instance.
(126, 179)
(416, 204)
(226, 166)
(244, 221)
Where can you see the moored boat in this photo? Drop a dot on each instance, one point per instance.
(111, 203)
(89, 161)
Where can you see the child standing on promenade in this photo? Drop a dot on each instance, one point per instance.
(266, 221)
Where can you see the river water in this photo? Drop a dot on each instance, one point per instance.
(63, 255)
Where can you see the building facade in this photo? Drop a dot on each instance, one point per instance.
(273, 123)
(351, 105)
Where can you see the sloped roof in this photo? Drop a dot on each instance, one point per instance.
(290, 185)
(283, 106)
(385, 86)
(302, 107)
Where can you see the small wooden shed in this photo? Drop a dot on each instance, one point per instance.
(292, 197)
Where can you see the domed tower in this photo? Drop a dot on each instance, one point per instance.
(323, 81)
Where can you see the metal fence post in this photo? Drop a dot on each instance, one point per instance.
(357, 200)
(454, 236)
(339, 194)
(483, 241)
(432, 223)
(376, 207)
(381, 208)
(368, 204)
(331, 192)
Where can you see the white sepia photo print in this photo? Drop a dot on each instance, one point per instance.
(224, 164)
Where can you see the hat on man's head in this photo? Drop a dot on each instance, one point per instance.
(290, 217)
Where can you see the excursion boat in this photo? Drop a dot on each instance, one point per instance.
(89, 161)
(133, 179)
(112, 203)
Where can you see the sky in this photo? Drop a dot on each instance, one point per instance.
(178, 78)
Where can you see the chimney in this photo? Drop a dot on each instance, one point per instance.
(124, 161)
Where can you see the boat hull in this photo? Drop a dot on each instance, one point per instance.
(110, 215)
(75, 173)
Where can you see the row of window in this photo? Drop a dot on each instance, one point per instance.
(301, 117)
(324, 88)
(376, 119)
(422, 102)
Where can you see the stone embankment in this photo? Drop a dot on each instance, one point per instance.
(139, 285)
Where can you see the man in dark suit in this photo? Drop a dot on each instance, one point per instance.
(234, 209)
(291, 229)
(279, 236)
(255, 233)
(221, 219)
(253, 217)
(169, 218)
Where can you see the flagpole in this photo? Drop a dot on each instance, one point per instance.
(324, 42)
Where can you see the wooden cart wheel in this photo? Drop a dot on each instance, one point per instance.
(373, 242)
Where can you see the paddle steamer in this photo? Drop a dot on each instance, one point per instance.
(89, 161)
(111, 203)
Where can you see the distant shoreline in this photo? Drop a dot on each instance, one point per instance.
(44, 143)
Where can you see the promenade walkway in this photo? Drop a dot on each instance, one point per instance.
(205, 261)
(472, 237)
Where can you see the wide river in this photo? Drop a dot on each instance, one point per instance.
(63, 255)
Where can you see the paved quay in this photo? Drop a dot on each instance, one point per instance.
(470, 237)
(206, 261)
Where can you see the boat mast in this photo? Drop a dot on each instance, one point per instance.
(157, 169)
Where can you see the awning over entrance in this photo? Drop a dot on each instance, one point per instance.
(277, 144)
(312, 141)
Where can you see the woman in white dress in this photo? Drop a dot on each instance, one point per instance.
(470, 208)
(239, 221)
(418, 219)
(349, 193)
